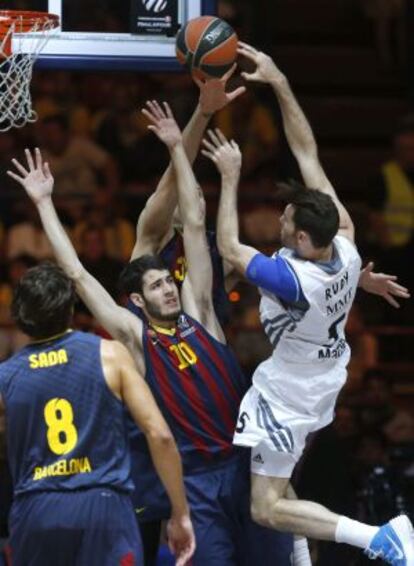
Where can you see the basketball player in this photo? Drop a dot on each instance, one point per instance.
(179, 346)
(67, 438)
(307, 292)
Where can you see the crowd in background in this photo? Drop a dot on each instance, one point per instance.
(106, 164)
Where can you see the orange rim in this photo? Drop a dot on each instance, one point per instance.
(26, 20)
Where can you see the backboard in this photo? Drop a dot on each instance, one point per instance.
(114, 34)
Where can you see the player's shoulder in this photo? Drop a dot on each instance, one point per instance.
(346, 247)
(114, 352)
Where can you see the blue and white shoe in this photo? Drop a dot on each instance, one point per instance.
(394, 543)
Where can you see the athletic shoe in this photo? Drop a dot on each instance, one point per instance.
(394, 543)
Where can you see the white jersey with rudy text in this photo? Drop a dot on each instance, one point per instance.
(307, 368)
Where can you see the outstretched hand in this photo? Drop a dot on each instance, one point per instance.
(266, 69)
(225, 154)
(163, 123)
(213, 95)
(382, 284)
(36, 179)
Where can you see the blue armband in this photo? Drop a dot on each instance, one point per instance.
(276, 275)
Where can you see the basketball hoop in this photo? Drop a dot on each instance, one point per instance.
(23, 35)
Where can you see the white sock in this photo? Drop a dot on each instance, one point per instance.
(354, 533)
(301, 556)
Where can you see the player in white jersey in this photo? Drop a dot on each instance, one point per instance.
(307, 292)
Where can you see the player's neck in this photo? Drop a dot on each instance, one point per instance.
(167, 324)
(319, 254)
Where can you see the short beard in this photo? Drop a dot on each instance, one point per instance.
(154, 312)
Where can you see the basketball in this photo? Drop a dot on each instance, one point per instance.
(207, 46)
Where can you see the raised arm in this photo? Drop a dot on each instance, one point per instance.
(197, 290)
(155, 220)
(227, 158)
(297, 128)
(37, 181)
(128, 385)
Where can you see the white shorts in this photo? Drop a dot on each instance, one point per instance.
(276, 434)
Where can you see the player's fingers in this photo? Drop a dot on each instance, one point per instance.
(20, 167)
(207, 143)
(234, 145)
(46, 170)
(229, 73)
(149, 115)
(209, 155)
(15, 177)
(390, 299)
(399, 290)
(246, 46)
(154, 109)
(369, 266)
(389, 277)
(29, 159)
(184, 554)
(149, 110)
(168, 110)
(235, 93)
(214, 138)
(157, 106)
(38, 159)
(198, 81)
(249, 76)
(220, 136)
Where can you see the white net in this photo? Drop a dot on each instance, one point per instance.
(16, 66)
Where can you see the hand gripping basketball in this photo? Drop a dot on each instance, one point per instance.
(266, 69)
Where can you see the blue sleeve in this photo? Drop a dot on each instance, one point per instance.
(274, 274)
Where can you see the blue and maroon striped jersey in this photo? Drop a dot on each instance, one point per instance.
(198, 386)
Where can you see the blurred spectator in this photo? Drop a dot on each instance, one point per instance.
(78, 165)
(94, 257)
(392, 204)
(378, 411)
(119, 232)
(122, 130)
(11, 338)
(364, 349)
(15, 269)
(388, 17)
(9, 191)
(27, 236)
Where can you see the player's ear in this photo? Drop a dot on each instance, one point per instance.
(137, 299)
(302, 237)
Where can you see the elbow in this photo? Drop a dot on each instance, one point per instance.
(161, 437)
(75, 272)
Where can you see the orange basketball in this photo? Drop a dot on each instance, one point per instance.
(207, 46)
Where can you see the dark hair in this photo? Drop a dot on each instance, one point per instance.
(131, 278)
(316, 214)
(43, 301)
